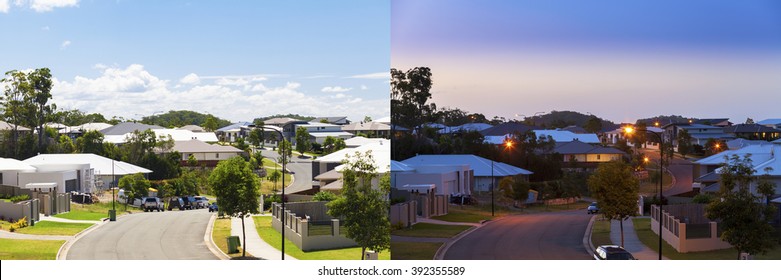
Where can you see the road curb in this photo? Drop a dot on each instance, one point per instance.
(62, 254)
(587, 237)
(207, 238)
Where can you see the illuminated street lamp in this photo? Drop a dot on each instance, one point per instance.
(630, 130)
(508, 144)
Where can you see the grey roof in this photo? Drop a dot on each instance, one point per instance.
(128, 127)
(9, 126)
(360, 126)
(749, 128)
(577, 147)
(710, 177)
(192, 127)
(198, 146)
(769, 122)
(711, 121)
(575, 129)
(483, 167)
(508, 128)
(280, 121)
(234, 126)
(741, 143)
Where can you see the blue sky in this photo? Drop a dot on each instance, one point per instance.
(620, 60)
(234, 59)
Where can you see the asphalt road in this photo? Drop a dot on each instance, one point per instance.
(681, 169)
(544, 236)
(169, 235)
(301, 168)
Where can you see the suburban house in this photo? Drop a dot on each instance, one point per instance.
(575, 129)
(76, 172)
(118, 133)
(577, 154)
(498, 134)
(753, 132)
(193, 128)
(385, 120)
(232, 132)
(740, 143)
(700, 133)
(4, 126)
(370, 129)
(360, 140)
(561, 136)
(706, 170)
(206, 154)
(444, 179)
(380, 150)
(652, 141)
(771, 123)
(319, 131)
(287, 126)
(486, 172)
(332, 120)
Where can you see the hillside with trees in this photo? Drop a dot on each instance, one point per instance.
(561, 119)
(294, 116)
(181, 118)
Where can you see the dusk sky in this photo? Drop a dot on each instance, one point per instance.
(235, 59)
(620, 60)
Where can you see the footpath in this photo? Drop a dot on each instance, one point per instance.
(631, 242)
(254, 245)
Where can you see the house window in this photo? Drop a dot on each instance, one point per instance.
(599, 157)
(217, 155)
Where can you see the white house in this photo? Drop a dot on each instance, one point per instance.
(319, 131)
(205, 154)
(485, 170)
(764, 158)
(447, 179)
(77, 172)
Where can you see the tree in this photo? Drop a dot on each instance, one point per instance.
(302, 140)
(236, 188)
(274, 177)
(593, 125)
(91, 142)
(256, 136)
(684, 143)
(616, 190)
(136, 184)
(210, 124)
(363, 206)
(324, 196)
(367, 119)
(714, 146)
(744, 216)
(14, 104)
(749, 121)
(191, 161)
(640, 136)
(515, 189)
(40, 90)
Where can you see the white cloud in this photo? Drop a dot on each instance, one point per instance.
(45, 28)
(378, 75)
(364, 87)
(48, 5)
(5, 5)
(232, 81)
(133, 90)
(99, 66)
(190, 79)
(335, 89)
(65, 44)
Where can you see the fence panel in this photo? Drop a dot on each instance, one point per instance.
(697, 231)
(322, 227)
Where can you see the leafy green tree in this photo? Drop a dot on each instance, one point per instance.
(363, 206)
(241, 145)
(324, 196)
(328, 144)
(138, 144)
(15, 105)
(236, 188)
(274, 176)
(684, 143)
(285, 152)
(40, 91)
(715, 146)
(410, 91)
(515, 189)
(91, 142)
(191, 161)
(593, 125)
(302, 140)
(210, 124)
(744, 216)
(136, 184)
(615, 188)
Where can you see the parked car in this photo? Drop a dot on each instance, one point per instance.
(153, 203)
(175, 202)
(189, 202)
(213, 207)
(593, 208)
(201, 202)
(612, 252)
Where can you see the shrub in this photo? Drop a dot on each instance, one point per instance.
(324, 196)
(18, 198)
(271, 199)
(21, 223)
(703, 198)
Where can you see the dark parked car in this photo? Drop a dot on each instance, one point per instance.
(175, 202)
(213, 207)
(189, 202)
(612, 252)
(593, 208)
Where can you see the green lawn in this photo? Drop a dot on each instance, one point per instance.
(650, 239)
(273, 238)
(600, 233)
(94, 212)
(269, 186)
(430, 230)
(53, 228)
(220, 233)
(414, 250)
(16, 249)
(648, 187)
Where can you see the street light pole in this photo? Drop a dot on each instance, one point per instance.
(283, 154)
(661, 176)
(492, 187)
